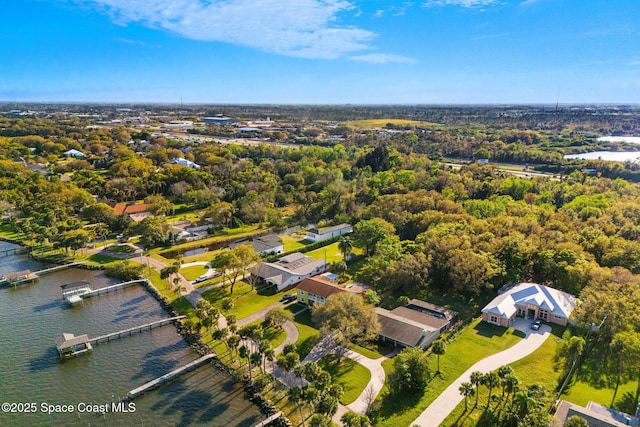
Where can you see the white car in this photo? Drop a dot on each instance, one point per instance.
(536, 325)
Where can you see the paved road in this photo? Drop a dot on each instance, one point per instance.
(440, 408)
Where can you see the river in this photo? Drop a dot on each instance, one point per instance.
(32, 315)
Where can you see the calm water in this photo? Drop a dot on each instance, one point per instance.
(629, 139)
(618, 156)
(32, 315)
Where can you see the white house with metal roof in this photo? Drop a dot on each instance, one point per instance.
(320, 234)
(530, 300)
(288, 270)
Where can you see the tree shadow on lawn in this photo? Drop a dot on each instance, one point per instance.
(488, 330)
(396, 404)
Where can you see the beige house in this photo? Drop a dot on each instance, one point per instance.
(316, 290)
(532, 301)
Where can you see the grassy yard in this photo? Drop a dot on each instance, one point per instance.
(475, 342)
(332, 253)
(374, 350)
(126, 249)
(537, 368)
(352, 376)
(273, 335)
(581, 393)
(308, 335)
(294, 242)
(193, 272)
(245, 300)
(97, 259)
(7, 232)
(181, 304)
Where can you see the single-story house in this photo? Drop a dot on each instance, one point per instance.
(136, 212)
(530, 300)
(288, 270)
(271, 244)
(417, 324)
(594, 414)
(320, 234)
(74, 153)
(316, 290)
(185, 162)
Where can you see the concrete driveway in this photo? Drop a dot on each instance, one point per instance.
(436, 413)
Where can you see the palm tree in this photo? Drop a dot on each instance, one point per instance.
(476, 380)
(511, 382)
(179, 289)
(466, 389)
(503, 373)
(345, 245)
(438, 348)
(270, 355)
(164, 275)
(296, 394)
(524, 403)
(491, 380)
(256, 358)
(233, 342)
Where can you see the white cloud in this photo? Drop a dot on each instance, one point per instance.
(463, 3)
(634, 63)
(381, 58)
(300, 28)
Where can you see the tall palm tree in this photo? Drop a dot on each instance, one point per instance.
(466, 389)
(476, 380)
(345, 245)
(512, 383)
(491, 380)
(296, 394)
(503, 372)
(438, 348)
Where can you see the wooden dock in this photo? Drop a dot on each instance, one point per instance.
(69, 345)
(113, 288)
(131, 331)
(168, 377)
(269, 420)
(28, 276)
(74, 294)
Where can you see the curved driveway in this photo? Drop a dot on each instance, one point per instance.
(440, 408)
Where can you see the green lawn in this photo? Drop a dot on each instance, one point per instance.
(193, 272)
(97, 259)
(475, 342)
(537, 368)
(245, 300)
(179, 303)
(581, 393)
(308, 335)
(374, 350)
(273, 335)
(351, 375)
(121, 248)
(331, 252)
(294, 242)
(205, 256)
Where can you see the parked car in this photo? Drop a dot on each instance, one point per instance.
(287, 298)
(536, 325)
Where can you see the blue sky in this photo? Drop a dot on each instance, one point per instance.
(321, 51)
